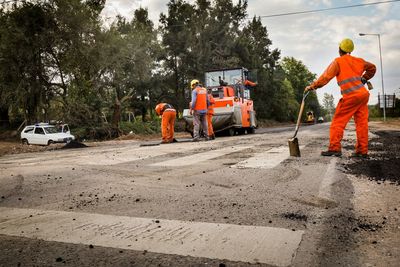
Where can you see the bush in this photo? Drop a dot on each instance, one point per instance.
(139, 127)
(374, 111)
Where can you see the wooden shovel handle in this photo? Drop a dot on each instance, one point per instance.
(300, 113)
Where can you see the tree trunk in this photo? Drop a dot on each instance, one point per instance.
(116, 113)
(4, 117)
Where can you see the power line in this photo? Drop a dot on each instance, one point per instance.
(326, 9)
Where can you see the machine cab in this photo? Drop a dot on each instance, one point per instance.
(228, 83)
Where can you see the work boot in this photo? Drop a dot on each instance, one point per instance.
(331, 153)
(212, 137)
(165, 142)
(196, 139)
(359, 155)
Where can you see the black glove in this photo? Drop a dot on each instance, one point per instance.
(363, 80)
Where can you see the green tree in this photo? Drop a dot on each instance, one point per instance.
(197, 38)
(299, 76)
(130, 59)
(256, 54)
(328, 103)
(54, 64)
(23, 78)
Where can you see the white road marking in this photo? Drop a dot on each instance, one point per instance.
(108, 157)
(331, 176)
(276, 246)
(199, 157)
(265, 160)
(120, 156)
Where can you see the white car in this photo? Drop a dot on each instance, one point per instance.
(44, 134)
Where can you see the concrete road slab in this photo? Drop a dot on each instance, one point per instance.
(276, 246)
(199, 157)
(266, 160)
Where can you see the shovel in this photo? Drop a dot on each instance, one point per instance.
(294, 142)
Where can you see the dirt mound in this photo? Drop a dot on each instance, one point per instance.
(74, 144)
(384, 161)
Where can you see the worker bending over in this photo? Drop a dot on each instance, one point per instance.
(198, 109)
(168, 115)
(351, 75)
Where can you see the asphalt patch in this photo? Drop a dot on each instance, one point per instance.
(384, 159)
(295, 216)
(74, 144)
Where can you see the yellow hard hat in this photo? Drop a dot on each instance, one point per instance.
(346, 45)
(194, 82)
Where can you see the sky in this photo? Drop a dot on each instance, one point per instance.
(313, 38)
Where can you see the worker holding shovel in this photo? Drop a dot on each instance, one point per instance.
(351, 74)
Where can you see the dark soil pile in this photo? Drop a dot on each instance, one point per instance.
(384, 159)
(74, 144)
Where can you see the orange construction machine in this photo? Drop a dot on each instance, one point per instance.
(233, 110)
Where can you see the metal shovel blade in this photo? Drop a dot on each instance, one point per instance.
(294, 147)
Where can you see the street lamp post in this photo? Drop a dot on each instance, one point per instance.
(380, 57)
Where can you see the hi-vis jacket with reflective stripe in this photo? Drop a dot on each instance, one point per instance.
(199, 99)
(348, 71)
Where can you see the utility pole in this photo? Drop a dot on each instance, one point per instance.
(380, 57)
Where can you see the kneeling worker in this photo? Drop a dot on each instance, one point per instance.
(168, 115)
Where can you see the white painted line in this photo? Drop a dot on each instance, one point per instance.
(108, 157)
(199, 157)
(265, 160)
(119, 156)
(331, 176)
(276, 246)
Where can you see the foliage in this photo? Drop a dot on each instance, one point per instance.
(299, 76)
(65, 65)
(374, 111)
(140, 127)
(329, 106)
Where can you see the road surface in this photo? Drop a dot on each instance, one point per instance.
(234, 201)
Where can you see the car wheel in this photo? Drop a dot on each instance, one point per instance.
(50, 142)
(25, 141)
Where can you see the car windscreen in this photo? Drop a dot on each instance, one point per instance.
(51, 130)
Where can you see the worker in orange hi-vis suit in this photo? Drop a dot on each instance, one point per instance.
(168, 115)
(210, 114)
(351, 74)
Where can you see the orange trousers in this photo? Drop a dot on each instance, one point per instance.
(355, 104)
(167, 125)
(209, 122)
